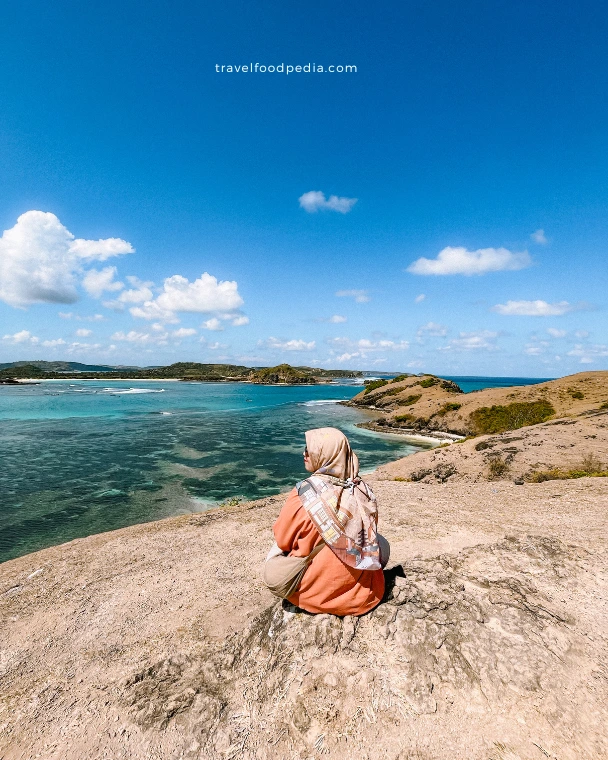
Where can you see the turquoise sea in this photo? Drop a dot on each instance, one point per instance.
(83, 457)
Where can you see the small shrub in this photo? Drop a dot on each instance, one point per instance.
(232, 502)
(497, 419)
(419, 475)
(399, 378)
(429, 382)
(449, 407)
(497, 467)
(412, 400)
(591, 464)
(402, 480)
(404, 418)
(575, 393)
(373, 384)
(444, 471)
(451, 387)
(391, 392)
(604, 405)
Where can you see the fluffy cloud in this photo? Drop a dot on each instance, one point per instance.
(83, 333)
(460, 260)
(40, 260)
(589, 354)
(212, 324)
(138, 293)
(554, 333)
(289, 345)
(420, 298)
(23, 336)
(432, 329)
(141, 338)
(315, 200)
(484, 340)
(96, 282)
(205, 295)
(360, 296)
(539, 237)
(184, 332)
(54, 343)
(533, 308)
(337, 319)
(239, 321)
(352, 349)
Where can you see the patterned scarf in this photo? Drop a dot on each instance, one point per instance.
(341, 505)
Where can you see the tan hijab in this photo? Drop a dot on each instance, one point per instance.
(330, 453)
(340, 504)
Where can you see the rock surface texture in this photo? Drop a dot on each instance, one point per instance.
(159, 641)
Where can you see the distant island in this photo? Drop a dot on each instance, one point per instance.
(282, 374)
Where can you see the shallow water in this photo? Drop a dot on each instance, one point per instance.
(78, 458)
(85, 457)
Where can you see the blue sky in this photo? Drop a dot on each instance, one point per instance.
(156, 210)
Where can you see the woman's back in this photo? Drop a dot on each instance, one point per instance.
(328, 585)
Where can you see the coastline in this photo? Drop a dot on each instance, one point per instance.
(425, 436)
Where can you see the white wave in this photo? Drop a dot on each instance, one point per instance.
(321, 402)
(121, 391)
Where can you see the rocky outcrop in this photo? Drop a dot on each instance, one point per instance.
(430, 405)
(282, 373)
(480, 642)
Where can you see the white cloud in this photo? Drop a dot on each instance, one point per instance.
(419, 298)
(140, 337)
(138, 293)
(432, 329)
(213, 324)
(315, 200)
(205, 295)
(554, 333)
(78, 318)
(459, 260)
(183, 332)
(40, 260)
(539, 237)
(582, 334)
(533, 308)
(100, 250)
(95, 281)
(76, 348)
(337, 319)
(473, 341)
(589, 354)
(240, 321)
(363, 346)
(83, 333)
(23, 336)
(289, 345)
(360, 296)
(54, 343)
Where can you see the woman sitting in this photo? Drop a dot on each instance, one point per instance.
(333, 516)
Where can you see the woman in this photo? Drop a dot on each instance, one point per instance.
(329, 583)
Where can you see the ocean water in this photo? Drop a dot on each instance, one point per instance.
(83, 457)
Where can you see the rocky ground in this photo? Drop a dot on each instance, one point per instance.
(563, 445)
(159, 640)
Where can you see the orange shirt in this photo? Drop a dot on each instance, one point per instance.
(328, 584)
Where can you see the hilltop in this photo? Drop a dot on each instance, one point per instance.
(429, 404)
